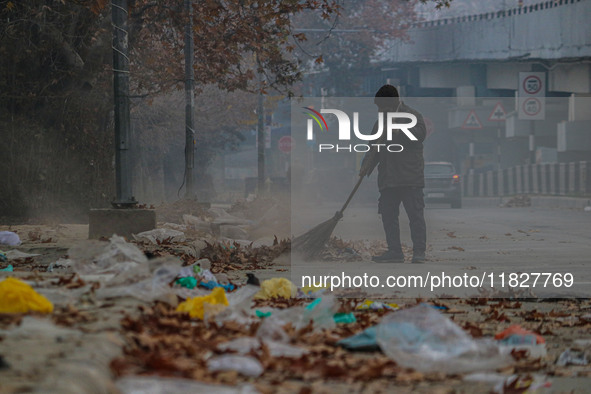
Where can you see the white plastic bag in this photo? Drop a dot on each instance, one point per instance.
(424, 339)
(9, 238)
(96, 257)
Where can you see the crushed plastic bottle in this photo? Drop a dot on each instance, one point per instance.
(424, 339)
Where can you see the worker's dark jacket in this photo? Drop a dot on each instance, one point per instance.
(400, 169)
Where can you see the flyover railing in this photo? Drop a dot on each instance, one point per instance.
(526, 9)
(565, 179)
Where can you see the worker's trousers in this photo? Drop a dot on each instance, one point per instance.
(414, 204)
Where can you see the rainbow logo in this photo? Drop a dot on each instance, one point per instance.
(317, 117)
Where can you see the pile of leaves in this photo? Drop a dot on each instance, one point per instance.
(338, 249)
(232, 256)
(161, 341)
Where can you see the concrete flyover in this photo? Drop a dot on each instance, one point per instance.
(548, 30)
(476, 61)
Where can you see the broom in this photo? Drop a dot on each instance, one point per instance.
(315, 239)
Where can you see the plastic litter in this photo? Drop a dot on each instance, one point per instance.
(364, 341)
(572, 357)
(158, 385)
(18, 297)
(375, 305)
(517, 331)
(189, 282)
(279, 349)
(9, 238)
(207, 276)
(160, 235)
(523, 384)
(271, 327)
(424, 339)
(277, 288)
(262, 314)
(212, 285)
(10, 268)
(242, 345)
(196, 307)
(3, 256)
(94, 257)
(321, 311)
(244, 365)
(147, 282)
(523, 342)
(17, 254)
(344, 318)
(239, 310)
(517, 338)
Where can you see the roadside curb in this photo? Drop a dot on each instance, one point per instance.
(536, 202)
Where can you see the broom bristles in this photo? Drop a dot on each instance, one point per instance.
(312, 242)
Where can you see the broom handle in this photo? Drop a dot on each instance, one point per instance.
(351, 195)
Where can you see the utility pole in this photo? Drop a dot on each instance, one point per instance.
(260, 137)
(189, 102)
(124, 198)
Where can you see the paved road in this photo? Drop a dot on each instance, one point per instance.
(472, 240)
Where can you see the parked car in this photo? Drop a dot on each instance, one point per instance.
(442, 184)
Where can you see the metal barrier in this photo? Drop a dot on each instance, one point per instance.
(557, 179)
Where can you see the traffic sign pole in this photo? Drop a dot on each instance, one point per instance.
(532, 142)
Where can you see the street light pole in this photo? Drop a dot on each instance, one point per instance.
(260, 137)
(124, 197)
(189, 102)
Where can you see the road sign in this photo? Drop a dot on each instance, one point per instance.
(286, 144)
(532, 84)
(498, 113)
(531, 103)
(531, 106)
(472, 122)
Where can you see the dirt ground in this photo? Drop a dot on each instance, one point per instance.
(94, 344)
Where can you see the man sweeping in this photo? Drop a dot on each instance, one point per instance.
(400, 180)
